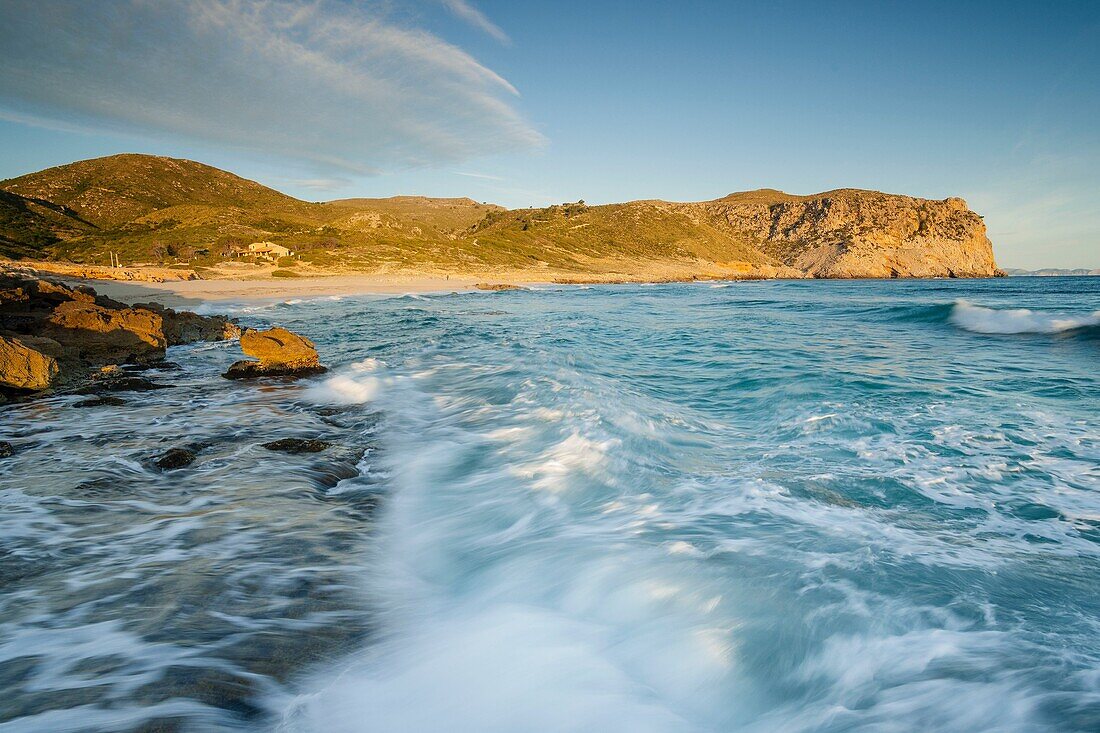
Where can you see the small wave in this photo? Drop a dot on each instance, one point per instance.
(979, 319)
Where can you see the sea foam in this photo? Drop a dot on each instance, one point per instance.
(979, 319)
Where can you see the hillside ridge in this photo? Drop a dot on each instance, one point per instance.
(159, 210)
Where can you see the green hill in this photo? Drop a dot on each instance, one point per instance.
(156, 210)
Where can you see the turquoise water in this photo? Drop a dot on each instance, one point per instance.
(765, 506)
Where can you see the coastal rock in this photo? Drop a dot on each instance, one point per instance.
(185, 327)
(498, 286)
(104, 336)
(23, 367)
(279, 352)
(297, 445)
(118, 382)
(82, 330)
(104, 401)
(851, 233)
(175, 458)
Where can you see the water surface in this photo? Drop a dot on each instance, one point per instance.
(766, 506)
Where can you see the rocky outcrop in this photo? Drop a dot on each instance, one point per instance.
(278, 353)
(101, 336)
(23, 367)
(857, 234)
(297, 445)
(498, 286)
(185, 327)
(53, 335)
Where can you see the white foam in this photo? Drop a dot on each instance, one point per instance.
(979, 319)
(506, 669)
(356, 385)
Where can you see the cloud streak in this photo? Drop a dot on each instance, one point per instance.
(319, 81)
(476, 18)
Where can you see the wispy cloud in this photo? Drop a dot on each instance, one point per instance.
(476, 18)
(326, 185)
(483, 176)
(315, 80)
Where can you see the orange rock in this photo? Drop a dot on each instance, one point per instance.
(24, 367)
(104, 336)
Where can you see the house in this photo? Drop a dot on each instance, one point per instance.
(268, 250)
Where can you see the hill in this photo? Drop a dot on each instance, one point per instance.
(156, 210)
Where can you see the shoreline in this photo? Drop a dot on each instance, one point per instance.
(184, 293)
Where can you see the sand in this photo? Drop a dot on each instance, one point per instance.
(182, 293)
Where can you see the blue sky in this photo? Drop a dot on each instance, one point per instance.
(525, 103)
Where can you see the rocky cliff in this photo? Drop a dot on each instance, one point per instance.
(851, 233)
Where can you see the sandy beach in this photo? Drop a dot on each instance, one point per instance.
(181, 293)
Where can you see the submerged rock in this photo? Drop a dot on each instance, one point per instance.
(24, 367)
(297, 445)
(121, 383)
(279, 352)
(6, 449)
(175, 458)
(104, 401)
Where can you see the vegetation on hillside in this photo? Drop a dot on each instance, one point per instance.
(139, 209)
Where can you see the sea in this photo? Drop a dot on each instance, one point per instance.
(769, 507)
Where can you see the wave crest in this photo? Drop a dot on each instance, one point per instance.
(979, 319)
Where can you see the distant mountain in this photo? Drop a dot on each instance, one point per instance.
(1049, 272)
(162, 210)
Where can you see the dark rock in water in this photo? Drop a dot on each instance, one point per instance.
(215, 687)
(281, 353)
(297, 445)
(6, 449)
(246, 369)
(164, 366)
(120, 384)
(175, 458)
(104, 401)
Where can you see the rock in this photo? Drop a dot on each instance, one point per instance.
(185, 327)
(24, 367)
(104, 401)
(175, 458)
(280, 353)
(498, 286)
(104, 336)
(297, 445)
(6, 449)
(277, 346)
(119, 384)
(851, 233)
(82, 331)
(246, 369)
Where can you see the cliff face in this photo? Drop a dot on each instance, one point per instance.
(853, 234)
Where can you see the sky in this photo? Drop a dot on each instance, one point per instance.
(531, 103)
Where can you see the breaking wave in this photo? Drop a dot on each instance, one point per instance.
(979, 319)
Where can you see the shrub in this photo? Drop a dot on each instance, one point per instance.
(284, 273)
